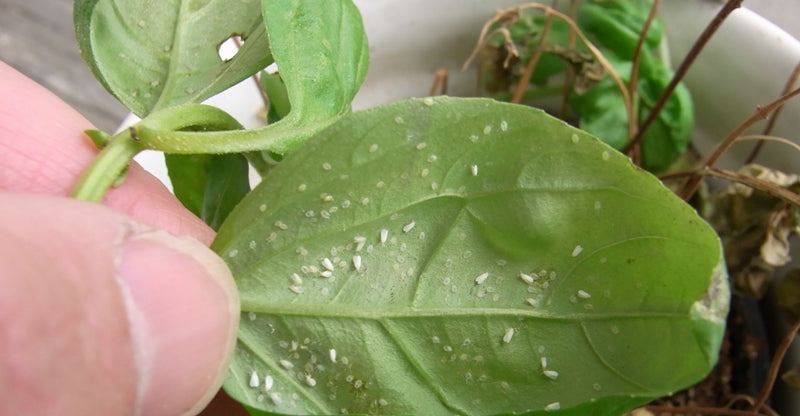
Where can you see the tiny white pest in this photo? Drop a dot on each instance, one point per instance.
(408, 227)
(551, 374)
(584, 294)
(474, 170)
(544, 363)
(508, 335)
(526, 278)
(332, 355)
(310, 381)
(268, 383)
(481, 278)
(275, 397)
(327, 263)
(577, 250)
(553, 406)
(360, 241)
(357, 262)
(254, 380)
(286, 364)
(384, 235)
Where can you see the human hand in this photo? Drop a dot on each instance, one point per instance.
(103, 310)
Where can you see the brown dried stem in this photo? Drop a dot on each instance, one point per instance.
(701, 42)
(529, 68)
(790, 83)
(503, 15)
(774, 367)
(690, 187)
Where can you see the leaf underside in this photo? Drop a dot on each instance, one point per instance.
(155, 54)
(619, 306)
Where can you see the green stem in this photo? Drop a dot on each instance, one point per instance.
(281, 137)
(111, 163)
(107, 167)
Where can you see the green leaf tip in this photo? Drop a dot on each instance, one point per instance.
(445, 256)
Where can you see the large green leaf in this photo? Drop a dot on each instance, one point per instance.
(444, 248)
(153, 54)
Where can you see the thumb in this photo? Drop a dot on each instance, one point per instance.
(102, 315)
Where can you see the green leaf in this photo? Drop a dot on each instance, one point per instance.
(209, 185)
(399, 239)
(321, 51)
(155, 54)
(617, 24)
(322, 54)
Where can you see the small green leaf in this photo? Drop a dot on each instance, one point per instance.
(463, 256)
(209, 185)
(321, 52)
(154, 54)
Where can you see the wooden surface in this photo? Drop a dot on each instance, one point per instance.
(36, 37)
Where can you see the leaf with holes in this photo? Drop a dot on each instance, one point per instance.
(463, 256)
(154, 54)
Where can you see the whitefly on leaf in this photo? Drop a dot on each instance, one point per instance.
(587, 259)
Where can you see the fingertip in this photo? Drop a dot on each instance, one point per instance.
(184, 313)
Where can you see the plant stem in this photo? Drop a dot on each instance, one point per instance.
(701, 42)
(690, 187)
(531, 66)
(771, 122)
(107, 167)
(110, 164)
(774, 367)
(633, 84)
(700, 410)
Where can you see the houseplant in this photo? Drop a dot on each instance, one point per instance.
(328, 209)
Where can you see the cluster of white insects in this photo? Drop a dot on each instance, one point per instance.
(326, 267)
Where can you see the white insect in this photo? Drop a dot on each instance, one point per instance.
(268, 383)
(286, 364)
(481, 278)
(326, 274)
(327, 263)
(357, 262)
(408, 227)
(526, 278)
(551, 374)
(384, 235)
(508, 335)
(275, 397)
(533, 302)
(360, 241)
(310, 381)
(297, 279)
(544, 363)
(474, 170)
(584, 294)
(553, 406)
(296, 289)
(254, 380)
(577, 250)
(332, 355)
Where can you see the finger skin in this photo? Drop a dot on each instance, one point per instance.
(129, 321)
(43, 150)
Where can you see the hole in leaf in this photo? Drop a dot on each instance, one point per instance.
(229, 47)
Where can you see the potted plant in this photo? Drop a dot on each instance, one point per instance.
(428, 256)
